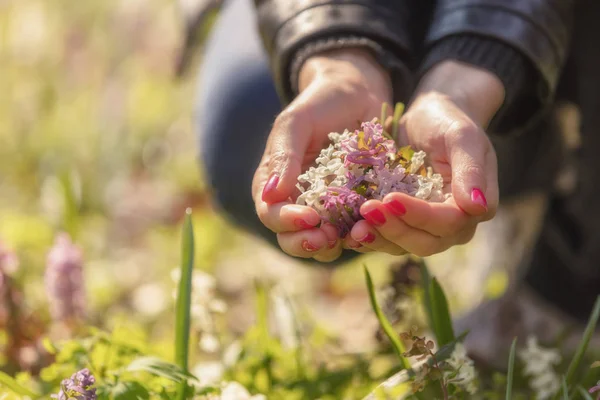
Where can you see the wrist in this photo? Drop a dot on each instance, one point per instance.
(478, 92)
(350, 65)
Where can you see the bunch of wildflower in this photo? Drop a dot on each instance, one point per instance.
(457, 371)
(64, 280)
(461, 370)
(362, 165)
(78, 387)
(540, 366)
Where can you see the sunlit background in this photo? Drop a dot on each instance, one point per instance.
(97, 140)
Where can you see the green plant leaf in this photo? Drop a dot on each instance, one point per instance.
(129, 391)
(511, 369)
(158, 367)
(564, 389)
(184, 298)
(425, 282)
(570, 377)
(584, 393)
(446, 350)
(9, 382)
(442, 322)
(385, 324)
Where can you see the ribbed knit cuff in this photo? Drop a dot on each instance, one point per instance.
(511, 67)
(402, 84)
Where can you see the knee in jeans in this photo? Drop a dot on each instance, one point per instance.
(233, 131)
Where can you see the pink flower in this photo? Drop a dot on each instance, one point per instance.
(64, 280)
(343, 208)
(368, 146)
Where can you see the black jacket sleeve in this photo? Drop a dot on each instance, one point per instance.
(293, 30)
(524, 42)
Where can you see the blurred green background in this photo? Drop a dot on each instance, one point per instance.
(97, 139)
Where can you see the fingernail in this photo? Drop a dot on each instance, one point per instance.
(368, 238)
(478, 197)
(270, 186)
(302, 224)
(375, 216)
(308, 246)
(395, 207)
(331, 244)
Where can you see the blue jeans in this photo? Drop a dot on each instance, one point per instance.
(236, 108)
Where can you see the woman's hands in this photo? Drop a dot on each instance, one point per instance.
(452, 106)
(338, 90)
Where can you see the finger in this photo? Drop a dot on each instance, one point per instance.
(282, 163)
(365, 234)
(439, 219)
(305, 244)
(334, 245)
(350, 244)
(393, 229)
(468, 154)
(286, 217)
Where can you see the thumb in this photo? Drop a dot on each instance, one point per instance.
(472, 162)
(283, 160)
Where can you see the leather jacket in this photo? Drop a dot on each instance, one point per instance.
(526, 43)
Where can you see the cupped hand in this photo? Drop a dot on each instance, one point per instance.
(338, 90)
(452, 106)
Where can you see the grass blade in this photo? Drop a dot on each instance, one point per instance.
(565, 389)
(398, 111)
(583, 345)
(584, 393)
(184, 297)
(385, 324)
(383, 116)
(442, 322)
(511, 369)
(425, 282)
(9, 382)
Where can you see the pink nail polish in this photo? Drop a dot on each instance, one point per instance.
(395, 207)
(375, 217)
(270, 186)
(302, 224)
(331, 244)
(368, 238)
(478, 197)
(308, 246)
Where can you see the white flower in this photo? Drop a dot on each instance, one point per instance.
(208, 373)
(232, 353)
(417, 161)
(464, 374)
(284, 320)
(204, 304)
(209, 343)
(539, 366)
(235, 391)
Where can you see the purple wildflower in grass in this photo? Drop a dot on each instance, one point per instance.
(8, 260)
(64, 280)
(78, 387)
(343, 208)
(8, 265)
